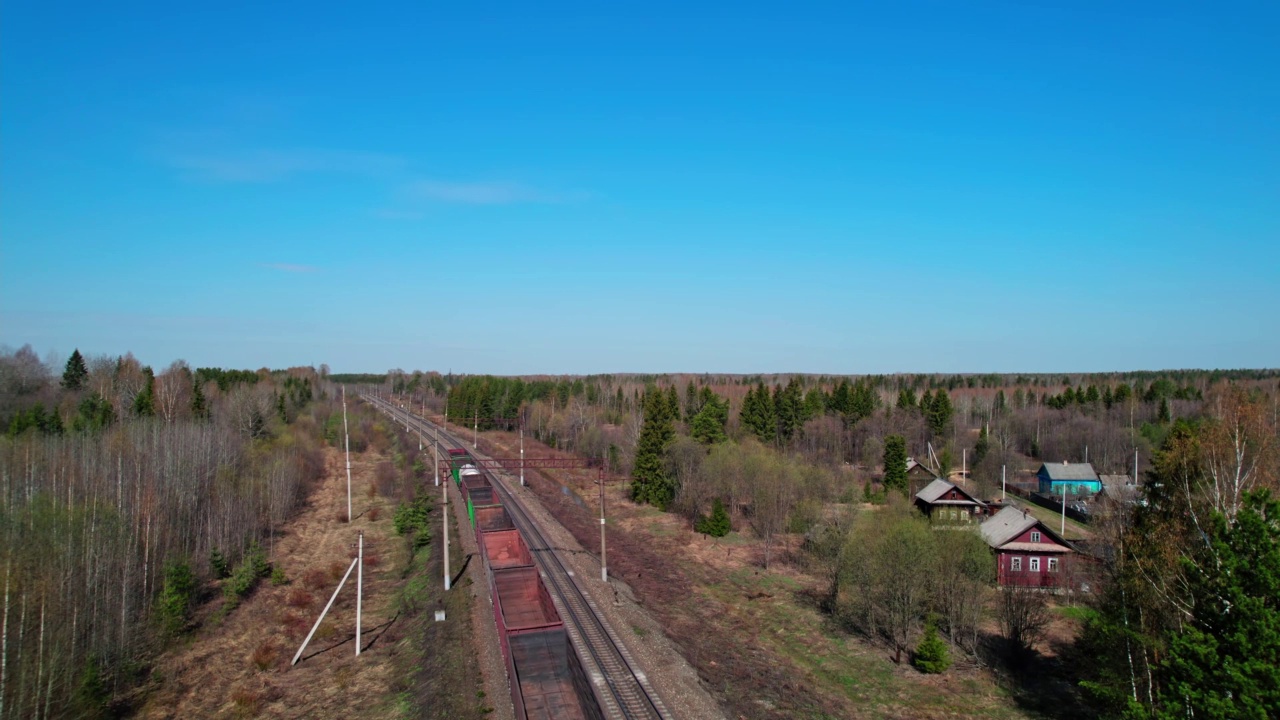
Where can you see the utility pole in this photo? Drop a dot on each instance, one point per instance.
(604, 565)
(1002, 484)
(475, 437)
(1063, 530)
(444, 519)
(346, 434)
(359, 589)
(436, 449)
(522, 453)
(964, 466)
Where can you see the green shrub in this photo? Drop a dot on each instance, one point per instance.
(252, 567)
(412, 518)
(174, 605)
(931, 654)
(717, 523)
(278, 577)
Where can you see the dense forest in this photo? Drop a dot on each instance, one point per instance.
(122, 492)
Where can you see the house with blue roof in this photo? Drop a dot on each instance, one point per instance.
(1070, 478)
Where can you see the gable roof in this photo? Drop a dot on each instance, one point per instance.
(940, 487)
(1006, 525)
(1068, 471)
(912, 464)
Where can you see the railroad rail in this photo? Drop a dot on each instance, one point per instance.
(621, 687)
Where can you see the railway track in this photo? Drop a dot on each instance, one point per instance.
(621, 687)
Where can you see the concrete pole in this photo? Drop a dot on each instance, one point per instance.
(1002, 483)
(324, 612)
(1063, 530)
(604, 563)
(475, 437)
(436, 449)
(522, 454)
(964, 465)
(346, 434)
(359, 589)
(445, 521)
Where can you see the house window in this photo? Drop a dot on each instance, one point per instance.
(1035, 537)
(1053, 564)
(953, 515)
(1015, 564)
(1035, 564)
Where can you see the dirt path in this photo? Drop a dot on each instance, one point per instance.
(238, 666)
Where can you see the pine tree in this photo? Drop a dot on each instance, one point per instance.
(649, 480)
(1165, 416)
(862, 402)
(708, 425)
(939, 412)
(906, 399)
(895, 463)
(931, 654)
(1226, 661)
(74, 375)
(717, 523)
(199, 405)
(144, 403)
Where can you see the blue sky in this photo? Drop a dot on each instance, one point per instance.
(644, 187)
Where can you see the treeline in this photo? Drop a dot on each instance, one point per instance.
(114, 526)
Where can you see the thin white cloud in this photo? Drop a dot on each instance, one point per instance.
(485, 193)
(265, 166)
(290, 267)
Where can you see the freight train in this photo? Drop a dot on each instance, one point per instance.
(547, 680)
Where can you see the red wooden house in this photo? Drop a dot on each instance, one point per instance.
(1028, 552)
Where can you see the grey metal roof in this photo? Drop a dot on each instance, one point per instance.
(936, 489)
(1006, 525)
(1069, 471)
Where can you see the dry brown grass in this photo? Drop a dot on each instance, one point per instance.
(299, 598)
(232, 668)
(315, 578)
(372, 559)
(374, 513)
(265, 655)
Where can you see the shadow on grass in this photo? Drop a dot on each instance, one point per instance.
(1041, 684)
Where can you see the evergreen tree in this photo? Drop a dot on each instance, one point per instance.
(673, 403)
(931, 654)
(1226, 661)
(74, 375)
(717, 523)
(939, 412)
(863, 402)
(708, 425)
(95, 413)
(841, 402)
(788, 407)
(906, 399)
(1165, 416)
(649, 480)
(815, 404)
(757, 414)
(692, 402)
(144, 403)
(199, 405)
(895, 463)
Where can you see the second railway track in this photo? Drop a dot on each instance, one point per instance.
(621, 686)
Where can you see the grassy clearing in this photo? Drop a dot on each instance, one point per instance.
(831, 662)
